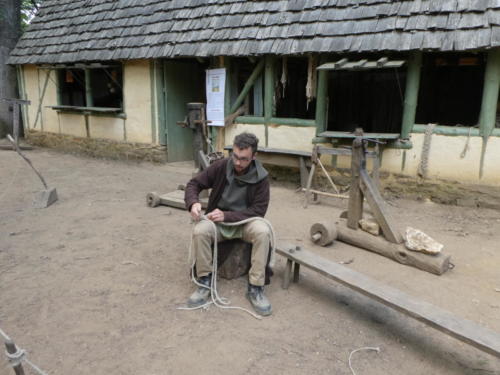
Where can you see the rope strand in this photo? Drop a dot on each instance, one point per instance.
(218, 301)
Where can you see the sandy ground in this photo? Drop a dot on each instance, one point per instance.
(91, 284)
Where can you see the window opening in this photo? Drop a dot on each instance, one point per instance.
(372, 99)
(242, 70)
(451, 89)
(72, 86)
(290, 93)
(105, 86)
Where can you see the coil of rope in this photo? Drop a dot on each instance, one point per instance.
(217, 300)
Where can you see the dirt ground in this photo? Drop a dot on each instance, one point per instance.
(91, 285)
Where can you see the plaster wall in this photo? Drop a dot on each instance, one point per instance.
(72, 124)
(235, 129)
(112, 128)
(445, 161)
(137, 100)
(34, 80)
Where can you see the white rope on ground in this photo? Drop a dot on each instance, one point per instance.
(218, 301)
(19, 356)
(377, 349)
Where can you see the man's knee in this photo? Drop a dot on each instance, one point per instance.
(259, 230)
(203, 229)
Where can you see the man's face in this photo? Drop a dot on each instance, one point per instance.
(242, 157)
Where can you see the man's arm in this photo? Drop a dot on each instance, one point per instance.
(203, 180)
(258, 207)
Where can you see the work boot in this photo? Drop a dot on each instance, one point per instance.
(202, 294)
(259, 301)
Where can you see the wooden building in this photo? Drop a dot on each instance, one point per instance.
(118, 74)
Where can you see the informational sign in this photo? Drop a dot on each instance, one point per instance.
(216, 83)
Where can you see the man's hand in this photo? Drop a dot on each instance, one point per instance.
(196, 211)
(216, 216)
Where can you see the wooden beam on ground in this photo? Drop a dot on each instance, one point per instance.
(377, 205)
(464, 330)
(436, 264)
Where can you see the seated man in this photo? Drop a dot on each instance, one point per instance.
(240, 190)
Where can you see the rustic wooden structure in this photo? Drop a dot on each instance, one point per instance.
(180, 40)
(435, 317)
(362, 187)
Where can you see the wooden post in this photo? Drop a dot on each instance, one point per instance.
(487, 116)
(411, 94)
(248, 85)
(355, 206)
(89, 101)
(269, 105)
(377, 205)
(288, 274)
(321, 100)
(11, 349)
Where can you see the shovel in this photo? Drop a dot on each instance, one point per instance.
(45, 197)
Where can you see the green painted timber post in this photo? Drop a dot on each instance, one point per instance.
(487, 116)
(321, 98)
(411, 94)
(88, 89)
(248, 85)
(269, 106)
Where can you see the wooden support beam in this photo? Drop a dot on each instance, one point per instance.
(464, 330)
(321, 101)
(89, 100)
(269, 105)
(355, 205)
(411, 94)
(248, 85)
(377, 205)
(40, 99)
(487, 116)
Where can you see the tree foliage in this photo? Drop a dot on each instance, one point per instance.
(29, 8)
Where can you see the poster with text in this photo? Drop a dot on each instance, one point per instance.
(216, 83)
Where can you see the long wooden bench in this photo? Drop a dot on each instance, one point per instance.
(462, 329)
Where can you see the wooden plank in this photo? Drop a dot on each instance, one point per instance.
(176, 199)
(440, 319)
(90, 109)
(292, 122)
(377, 205)
(333, 134)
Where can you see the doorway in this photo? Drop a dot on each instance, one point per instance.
(183, 82)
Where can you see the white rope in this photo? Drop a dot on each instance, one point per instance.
(15, 359)
(377, 349)
(218, 301)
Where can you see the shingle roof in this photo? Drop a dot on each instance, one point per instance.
(85, 30)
